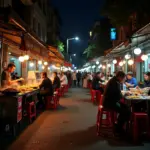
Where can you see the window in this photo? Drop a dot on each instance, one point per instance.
(39, 30)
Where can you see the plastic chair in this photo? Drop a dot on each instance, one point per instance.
(31, 111)
(105, 117)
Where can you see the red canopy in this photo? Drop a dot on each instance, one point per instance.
(67, 64)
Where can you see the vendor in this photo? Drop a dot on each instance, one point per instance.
(131, 82)
(6, 76)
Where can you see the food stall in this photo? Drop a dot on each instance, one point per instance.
(14, 100)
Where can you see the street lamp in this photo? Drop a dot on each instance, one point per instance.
(70, 39)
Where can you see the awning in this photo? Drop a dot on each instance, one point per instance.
(13, 31)
(67, 64)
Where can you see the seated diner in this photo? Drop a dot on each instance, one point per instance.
(131, 81)
(46, 88)
(112, 101)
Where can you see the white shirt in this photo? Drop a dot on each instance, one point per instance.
(74, 77)
(90, 77)
(64, 80)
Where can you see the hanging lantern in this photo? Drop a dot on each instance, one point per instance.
(144, 57)
(108, 65)
(26, 57)
(31, 64)
(114, 61)
(97, 62)
(121, 63)
(21, 59)
(127, 56)
(130, 62)
(104, 67)
(40, 62)
(137, 51)
(43, 67)
(45, 63)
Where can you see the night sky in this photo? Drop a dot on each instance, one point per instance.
(77, 16)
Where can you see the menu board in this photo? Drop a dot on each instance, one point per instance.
(19, 111)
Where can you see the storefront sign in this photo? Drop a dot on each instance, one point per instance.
(113, 34)
(19, 113)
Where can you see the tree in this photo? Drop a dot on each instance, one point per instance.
(89, 50)
(60, 45)
(120, 10)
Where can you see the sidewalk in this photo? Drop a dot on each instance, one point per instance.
(72, 127)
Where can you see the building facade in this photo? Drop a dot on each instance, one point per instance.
(28, 25)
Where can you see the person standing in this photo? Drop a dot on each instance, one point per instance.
(6, 76)
(78, 78)
(74, 78)
(63, 79)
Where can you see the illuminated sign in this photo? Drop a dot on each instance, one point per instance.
(113, 34)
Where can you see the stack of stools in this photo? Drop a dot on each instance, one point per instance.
(31, 110)
(108, 121)
(95, 95)
(145, 121)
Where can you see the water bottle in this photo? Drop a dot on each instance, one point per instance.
(124, 87)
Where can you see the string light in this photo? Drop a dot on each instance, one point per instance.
(21, 59)
(144, 57)
(114, 61)
(130, 62)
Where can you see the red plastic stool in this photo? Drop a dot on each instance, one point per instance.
(52, 101)
(31, 111)
(136, 118)
(48, 100)
(66, 88)
(62, 90)
(58, 94)
(95, 95)
(108, 121)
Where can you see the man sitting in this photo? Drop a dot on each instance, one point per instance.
(111, 100)
(56, 82)
(46, 88)
(96, 82)
(131, 82)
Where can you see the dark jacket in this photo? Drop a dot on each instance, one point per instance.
(112, 93)
(95, 83)
(47, 86)
(56, 83)
(146, 83)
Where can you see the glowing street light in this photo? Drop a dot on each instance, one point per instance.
(70, 39)
(76, 38)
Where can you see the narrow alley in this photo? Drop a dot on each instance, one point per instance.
(72, 127)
